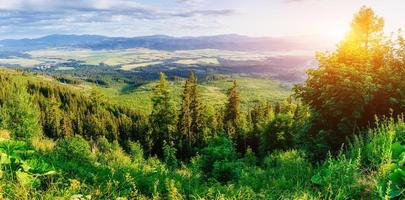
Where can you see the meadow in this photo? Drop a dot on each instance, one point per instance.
(253, 91)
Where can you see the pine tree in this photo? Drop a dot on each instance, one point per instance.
(191, 119)
(197, 110)
(163, 117)
(232, 112)
(185, 117)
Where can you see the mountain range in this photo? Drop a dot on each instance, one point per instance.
(230, 42)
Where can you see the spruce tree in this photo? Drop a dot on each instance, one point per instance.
(191, 119)
(197, 110)
(163, 117)
(232, 112)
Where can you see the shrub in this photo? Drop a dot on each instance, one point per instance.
(169, 154)
(218, 160)
(112, 154)
(103, 145)
(290, 164)
(118, 157)
(172, 192)
(74, 149)
(136, 152)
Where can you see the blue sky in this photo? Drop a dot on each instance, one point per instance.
(328, 18)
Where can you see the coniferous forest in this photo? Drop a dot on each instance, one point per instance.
(340, 135)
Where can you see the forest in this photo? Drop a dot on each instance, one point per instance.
(341, 135)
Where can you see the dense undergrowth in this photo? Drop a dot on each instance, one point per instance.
(370, 167)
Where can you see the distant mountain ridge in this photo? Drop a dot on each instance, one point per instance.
(231, 42)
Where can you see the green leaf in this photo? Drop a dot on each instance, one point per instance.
(395, 192)
(397, 150)
(397, 177)
(316, 179)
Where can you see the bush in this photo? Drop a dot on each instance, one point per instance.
(111, 153)
(74, 149)
(169, 155)
(290, 164)
(218, 160)
(136, 152)
(118, 157)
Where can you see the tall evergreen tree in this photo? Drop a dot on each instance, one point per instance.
(163, 117)
(232, 116)
(185, 117)
(197, 111)
(191, 119)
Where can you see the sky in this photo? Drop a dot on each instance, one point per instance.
(324, 18)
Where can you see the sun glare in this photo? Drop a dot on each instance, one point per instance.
(338, 33)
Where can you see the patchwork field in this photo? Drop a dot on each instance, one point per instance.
(139, 56)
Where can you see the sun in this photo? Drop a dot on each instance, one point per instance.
(337, 33)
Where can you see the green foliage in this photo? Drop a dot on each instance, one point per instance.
(169, 155)
(337, 178)
(24, 166)
(382, 150)
(358, 81)
(219, 160)
(192, 121)
(278, 133)
(136, 152)
(163, 117)
(75, 149)
(19, 114)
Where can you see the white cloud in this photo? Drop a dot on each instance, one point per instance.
(42, 16)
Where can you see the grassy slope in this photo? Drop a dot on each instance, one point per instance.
(214, 92)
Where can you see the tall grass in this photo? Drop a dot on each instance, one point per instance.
(381, 152)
